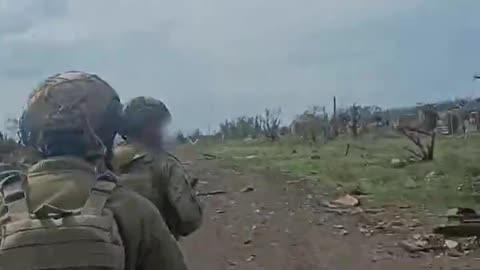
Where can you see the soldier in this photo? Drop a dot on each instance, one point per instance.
(147, 168)
(67, 212)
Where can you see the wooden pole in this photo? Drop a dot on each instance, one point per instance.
(335, 126)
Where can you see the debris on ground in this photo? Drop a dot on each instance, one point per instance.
(357, 210)
(327, 204)
(209, 156)
(210, 193)
(435, 242)
(414, 223)
(379, 254)
(455, 253)
(432, 175)
(374, 211)
(397, 163)
(366, 230)
(340, 227)
(423, 243)
(450, 244)
(315, 157)
(251, 157)
(232, 263)
(250, 235)
(396, 223)
(295, 181)
(347, 200)
(247, 189)
(461, 222)
(251, 258)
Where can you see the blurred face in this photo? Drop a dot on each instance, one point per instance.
(155, 133)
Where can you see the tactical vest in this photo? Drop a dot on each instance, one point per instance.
(52, 238)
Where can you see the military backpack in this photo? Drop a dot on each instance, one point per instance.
(51, 238)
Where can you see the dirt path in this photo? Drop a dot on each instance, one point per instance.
(278, 226)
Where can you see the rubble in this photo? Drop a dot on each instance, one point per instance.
(397, 163)
(366, 230)
(247, 189)
(432, 175)
(455, 253)
(423, 243)
(347, 200)
(450, 244)
(232, 263)
(434, 242)
(210, 193)
(251, 258)
(209, 156)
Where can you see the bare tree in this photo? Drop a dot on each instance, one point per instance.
(425, 149)
(312, 124)
(355, 119)
(270, 123)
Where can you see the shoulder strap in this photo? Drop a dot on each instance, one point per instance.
(99, 194)
(14, 196)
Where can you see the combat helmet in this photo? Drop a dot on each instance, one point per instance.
(143, 110)
(67, 101)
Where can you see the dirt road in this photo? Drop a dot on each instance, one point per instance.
(281, 226)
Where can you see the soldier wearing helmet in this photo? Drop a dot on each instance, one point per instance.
(71, 119)
(101, 105)
(148, 169)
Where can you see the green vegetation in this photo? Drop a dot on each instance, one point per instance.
(444, 182)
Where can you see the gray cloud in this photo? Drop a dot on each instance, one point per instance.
(215, 58)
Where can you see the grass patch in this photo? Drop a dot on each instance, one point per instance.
(442, 183)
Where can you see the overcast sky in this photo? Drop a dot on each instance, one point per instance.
(211, 59)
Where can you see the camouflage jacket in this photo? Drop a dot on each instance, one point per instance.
(161, 178)
(65, 182)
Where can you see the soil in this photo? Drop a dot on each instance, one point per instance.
(264, 221)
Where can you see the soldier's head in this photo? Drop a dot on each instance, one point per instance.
(145, 119)
(73, 113)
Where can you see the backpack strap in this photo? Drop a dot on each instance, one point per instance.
(14, 196)
(99, 194)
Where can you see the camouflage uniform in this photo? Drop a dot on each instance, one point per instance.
(68, 181)
(154, 173)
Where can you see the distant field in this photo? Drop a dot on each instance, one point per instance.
(445, 182)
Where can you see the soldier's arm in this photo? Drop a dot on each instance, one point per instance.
(159, 249)
(148, 243)
(186, 207)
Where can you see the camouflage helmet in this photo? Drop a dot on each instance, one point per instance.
(70, 120)
(60, 100)
(143, 110)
